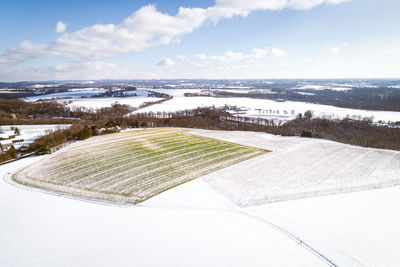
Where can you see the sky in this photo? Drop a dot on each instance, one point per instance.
(176, 39)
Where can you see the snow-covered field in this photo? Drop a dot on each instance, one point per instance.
(356, 229)
(31, 132)
(261, 107)
(199, 223)
(322, 87)
(176, 92)
(131, 167)
(300, 167)
(352, 229)
(39, 229)
(84, 98)
(101, 102)
(72, 93)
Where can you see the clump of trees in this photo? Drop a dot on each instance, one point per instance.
(9, 154)
(53, 139)
(15, 111)
(85, 133)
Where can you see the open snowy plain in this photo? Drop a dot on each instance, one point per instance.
(223, 218)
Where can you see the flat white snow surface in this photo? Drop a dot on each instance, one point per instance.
(356, 229)
(209, 221)
(39, 229)
(352, 229)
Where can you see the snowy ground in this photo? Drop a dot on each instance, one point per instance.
(196, 225)
(131, 167)
(261, 107)
(39, 229)
(31, 132)
(72, 93)
(84, 98)
(300, 167)
(357, 229)
(101, 102)
(353, 229)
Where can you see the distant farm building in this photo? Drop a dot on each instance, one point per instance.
(6, 145)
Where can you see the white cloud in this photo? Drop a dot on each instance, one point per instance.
(168, 62)
(230, 8)
(181, 57)
(61, 27)
(334, 50)
(145, 28)
(277, 52)
(19, 53)
(81, 70)
(231, 56)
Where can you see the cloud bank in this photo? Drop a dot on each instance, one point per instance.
(143, 29)
(231, 56)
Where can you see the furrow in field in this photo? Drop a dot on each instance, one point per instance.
(100, 159)
(130, 162)
(120, 151)
(133, 155)
(123, 179)
(315, 160)
(166, 183)
(206, 162)
(149, 164)
(117, 148)
(201, 167)
(349, 163)
(382, 165)
(99, 145)
(40, 180)
(111, 138)
(162, 169)
(93, 142)
(82, 155)
(133, 166)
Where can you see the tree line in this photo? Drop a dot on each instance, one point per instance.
(88, 122)
(362, 132)
(347, 130)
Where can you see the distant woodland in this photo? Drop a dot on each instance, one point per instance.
(365, 98)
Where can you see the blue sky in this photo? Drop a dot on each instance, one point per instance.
(57, 40)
